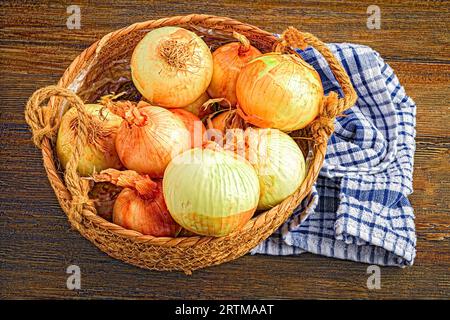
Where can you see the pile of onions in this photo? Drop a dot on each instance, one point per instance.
(193, 124)
(171, 67)
(279, 164)
(279, 91)
(228, 61)
(99, 152)
(178, 182)
(149, 138)
(210, 191)
(140, 205)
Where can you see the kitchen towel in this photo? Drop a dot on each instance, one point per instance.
(359, 208)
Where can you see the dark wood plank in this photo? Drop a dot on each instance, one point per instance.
(409, 29)
(37, 245)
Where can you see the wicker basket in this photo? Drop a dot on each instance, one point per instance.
(44, 110)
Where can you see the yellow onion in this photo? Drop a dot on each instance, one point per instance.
(171, 67)
(140, 205)
(149, 138)
(99, 153)
(219, 121)
(279, 164)
(210, 192)
(193, 124)
(279, 91)
(228, 61)
(225, 120)
(197, 107)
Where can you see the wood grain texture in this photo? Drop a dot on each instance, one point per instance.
(37, 245)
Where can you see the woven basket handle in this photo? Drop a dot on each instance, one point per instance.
(44, 123)
(293, 38)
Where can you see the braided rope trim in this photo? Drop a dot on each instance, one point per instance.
(184, 253)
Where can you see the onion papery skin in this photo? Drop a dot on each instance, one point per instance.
(163, 82)
(193, 124)
(99, 152)
(196, 107)
(210, 192)
(148, 147)
(228, 61)
(279, 164)
(279, 91)
(226, 120)
(218, 122)
(147, 216)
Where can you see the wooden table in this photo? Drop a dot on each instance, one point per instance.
(37, 245)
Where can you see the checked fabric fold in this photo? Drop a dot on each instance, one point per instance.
(359, 209)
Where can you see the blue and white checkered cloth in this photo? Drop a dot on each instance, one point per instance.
(359, 209)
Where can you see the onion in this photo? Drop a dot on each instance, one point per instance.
(225, 120)
(99, 152)
(279, 163)
(210, 192)
(279, 91)
(193, 124)
(171, 67)
(228, 61)
(219, 121)
(140, 205)
(197, 107)
(149, 138)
